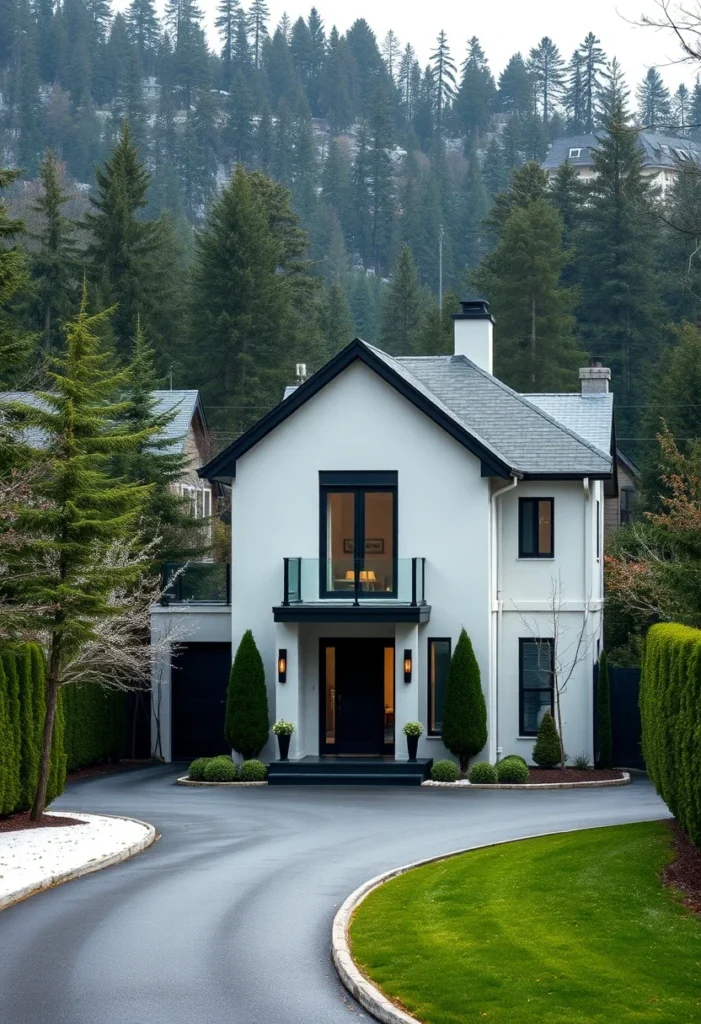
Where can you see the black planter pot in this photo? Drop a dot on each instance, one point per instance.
(412, 743)
(283, 742)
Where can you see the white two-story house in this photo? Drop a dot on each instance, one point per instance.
(383, 506)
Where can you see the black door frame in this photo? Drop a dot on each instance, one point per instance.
(381, 643)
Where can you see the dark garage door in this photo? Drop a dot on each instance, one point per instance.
(200, 675)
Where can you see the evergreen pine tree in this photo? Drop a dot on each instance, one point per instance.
(547, 752)
(7, 805)
(247, 725)
(258, 15)
(547, 69)
(227, 14)
(472, 237)
(612, 93)
(593, 60)
(401, 307)
(476, 96)
(574, 99)
(443, 72)
(336, 318)
(13, 737)
(464, 709)
(79, 510)
(54, 263)
(239, 129)
(654, 103)
(144, 32)
(535, 347)
(434, 335)
(14, 343)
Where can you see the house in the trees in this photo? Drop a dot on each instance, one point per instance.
(663, 156)
(383, 506)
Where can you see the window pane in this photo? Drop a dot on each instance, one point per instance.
(389, 695)
(535, 704)
(527, 531)
(330, 724)
(438, 664)
(377, 569)
(536, 665)
(340, 536)
(545, 528)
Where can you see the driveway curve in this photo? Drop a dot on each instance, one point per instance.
(228, 917)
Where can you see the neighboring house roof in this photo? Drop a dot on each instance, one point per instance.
(185, 404)
(590, 416)
(629, 464)
(505, 430)
(658, 150)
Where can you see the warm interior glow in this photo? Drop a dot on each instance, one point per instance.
(407, 666)
(281, 666)
(389, 695)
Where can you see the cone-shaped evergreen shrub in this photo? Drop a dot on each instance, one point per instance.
(57, 771)
(5, 745)
(546, 751)
(30, 735)
(13, 742)
(247, 724)
(604, 714)
(464, 709)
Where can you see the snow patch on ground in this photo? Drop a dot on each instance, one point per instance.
(34, 859)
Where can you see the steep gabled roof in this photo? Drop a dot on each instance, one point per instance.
(184, 404)
(509, 434)
(590, 416)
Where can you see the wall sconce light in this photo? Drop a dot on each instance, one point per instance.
(407, 665)
(282, 665)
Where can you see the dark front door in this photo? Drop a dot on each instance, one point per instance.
(199, 679)
(357, 693)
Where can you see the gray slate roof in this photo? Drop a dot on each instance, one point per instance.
(658, 150)
(184, 404)
(590, 416)
(520, 431)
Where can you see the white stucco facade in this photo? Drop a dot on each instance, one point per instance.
(463, 523)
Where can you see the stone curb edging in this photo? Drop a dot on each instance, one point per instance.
(370, 997)
(87, 868)
(464, 784)
(184, 781)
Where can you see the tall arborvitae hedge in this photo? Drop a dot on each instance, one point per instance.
(670, 710)
(12, 734)
(95, 720)
(603, 714)
(247, 724)
(464, 709)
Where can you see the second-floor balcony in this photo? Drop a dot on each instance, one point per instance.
(196, 583)
(369, 589)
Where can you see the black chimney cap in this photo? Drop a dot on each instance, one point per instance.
(474, 309)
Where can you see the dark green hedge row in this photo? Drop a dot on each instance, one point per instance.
(22, 709)
(670, 709)
(95, 724)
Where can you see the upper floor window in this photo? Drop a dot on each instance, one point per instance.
(199, 500)
(536, 527)
(358, 534)
(627, 499)
(574, 154)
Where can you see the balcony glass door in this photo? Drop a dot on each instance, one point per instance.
(358, 542)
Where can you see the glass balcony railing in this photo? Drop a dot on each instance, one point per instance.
(308, 580)
(196, 583)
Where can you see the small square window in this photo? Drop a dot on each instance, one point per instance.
(536, 527)
(574, 154)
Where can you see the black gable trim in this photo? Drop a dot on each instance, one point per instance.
(223, 466)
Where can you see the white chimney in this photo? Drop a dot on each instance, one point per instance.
(472, 330)
(594, 379)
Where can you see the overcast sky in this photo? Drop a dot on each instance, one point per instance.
(503, 27)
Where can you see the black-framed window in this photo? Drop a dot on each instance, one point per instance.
(627, 499)
(439, 653)
(536, 527)
(598, 529)
(535, 683)
(358, 534)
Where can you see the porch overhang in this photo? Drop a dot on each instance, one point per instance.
(341, 611)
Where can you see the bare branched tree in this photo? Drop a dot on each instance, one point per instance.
(684, 20)
(559, 654)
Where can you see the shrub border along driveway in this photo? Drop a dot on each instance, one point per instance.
(94, 864)
(464, 784)
(370, 997)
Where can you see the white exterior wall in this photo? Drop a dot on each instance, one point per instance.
(358, 422)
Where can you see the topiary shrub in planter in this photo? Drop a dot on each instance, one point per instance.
(464, 709)
(515, 757)
(196, 769)
(253, 771)
(546, 751)
(482, 772)
(247, 723)
(445, 771)
(220, 769)
(512, 771)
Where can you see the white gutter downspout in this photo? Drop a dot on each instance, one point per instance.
(586, 575)
(497, 641)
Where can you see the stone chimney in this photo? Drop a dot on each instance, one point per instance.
(472, 332)
(594, 379)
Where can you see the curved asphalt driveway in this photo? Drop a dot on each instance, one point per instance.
(227, 919)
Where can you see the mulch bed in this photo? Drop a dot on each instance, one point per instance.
(542, 775)
(18, 822)
(684, 873)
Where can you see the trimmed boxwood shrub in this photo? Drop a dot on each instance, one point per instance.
(512, 770)
(247, 724)
(515, 757)
(482, 772)
(220, 769)
(253, 771)
(670, 711)
(464, 708)
(196, 769)
(445, 771)
(546, 751)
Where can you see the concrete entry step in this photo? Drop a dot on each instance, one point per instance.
(349, 771)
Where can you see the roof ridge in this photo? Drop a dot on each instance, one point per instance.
(532, 405)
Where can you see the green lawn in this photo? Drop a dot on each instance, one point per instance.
(569, 929)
